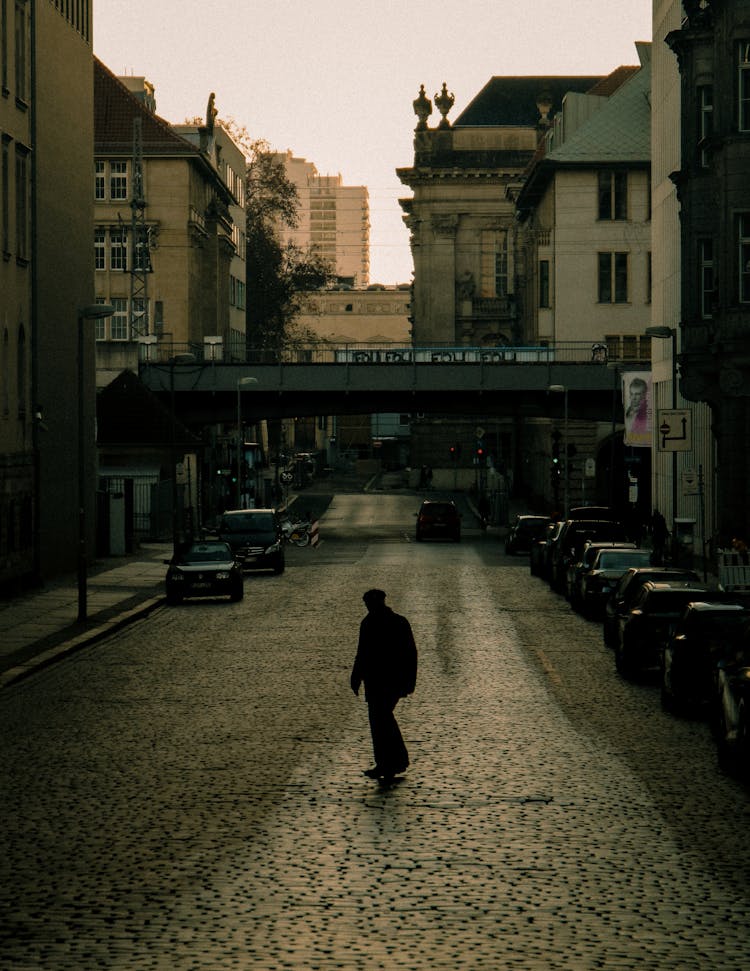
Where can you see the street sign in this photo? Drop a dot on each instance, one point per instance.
(589, 468)
(674, 430)
(691, 484)
(286, 477)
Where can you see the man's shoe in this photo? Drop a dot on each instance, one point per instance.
(375, 773)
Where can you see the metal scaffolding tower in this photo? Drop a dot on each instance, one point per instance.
(141, 236)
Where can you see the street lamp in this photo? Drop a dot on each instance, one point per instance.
(184, 358)
(95, 311)
(241, 383)
(665, 333)
(561, 388)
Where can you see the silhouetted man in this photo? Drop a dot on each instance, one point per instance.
(386, 662)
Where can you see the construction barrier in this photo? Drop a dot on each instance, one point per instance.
(314, 534)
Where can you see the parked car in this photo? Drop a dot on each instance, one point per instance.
(524, 531)
(730, 718)
(204, 569)
(583, 564)
(705, 634)
(643, 631)
(255, 537)
(571, 540)
(438, 519)
(596, 583)
(540, 550)
(621, 599)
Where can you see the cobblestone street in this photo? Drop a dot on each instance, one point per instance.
(188, 794)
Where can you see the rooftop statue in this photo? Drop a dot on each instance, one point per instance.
(422, 109)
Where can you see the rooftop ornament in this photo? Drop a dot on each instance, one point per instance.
(444, 102)
(422, 109)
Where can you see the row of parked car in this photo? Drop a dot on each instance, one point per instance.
(242, 540)
(658, 620)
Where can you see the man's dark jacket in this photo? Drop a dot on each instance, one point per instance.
(386, 655)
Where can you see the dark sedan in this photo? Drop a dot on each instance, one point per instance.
(598, 582)
(205, 569)
(524, 531)
(643, 631)
(438, 520)
(704, 635)
(731, 717)
(621, 599)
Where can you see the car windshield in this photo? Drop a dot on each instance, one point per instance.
(438, 509)
(206, 553)
(623, 559)
(247, 522)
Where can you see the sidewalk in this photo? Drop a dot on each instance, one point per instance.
(39, 626)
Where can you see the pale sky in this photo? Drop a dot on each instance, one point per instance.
(334, 80)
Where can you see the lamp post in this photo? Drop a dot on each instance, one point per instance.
(184, 358)
(241, 383)
(664, 333)
(557, 388)
(95, 311)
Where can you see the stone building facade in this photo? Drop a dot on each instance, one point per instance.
(184, 207)
(46, 279)
(712, 48)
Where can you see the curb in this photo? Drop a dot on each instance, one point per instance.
(85, 639)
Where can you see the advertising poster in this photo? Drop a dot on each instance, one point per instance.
(636, 398)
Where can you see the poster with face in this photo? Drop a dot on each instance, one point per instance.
(636, 398)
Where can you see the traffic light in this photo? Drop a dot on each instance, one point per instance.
(480, 451)
(452, 450)
(556, 449)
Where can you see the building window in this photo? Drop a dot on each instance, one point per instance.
(118, 249)
(544, 300)
(4, 45)
(21, 49)
(100, 258)
(743, 86)
(613, 195)
(118, 180)
(744, 257)
(21, 371)
(5, 190)
(99, 181)
(613, 277)
(494, 264)
(100, 325)
(22, 203)
(649, 277)
(705, 122)
(119, 319)
(706, 277)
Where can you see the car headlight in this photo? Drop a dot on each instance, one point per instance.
(222, 575)
(175, 575)
(275, 548)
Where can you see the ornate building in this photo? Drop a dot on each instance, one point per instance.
(461, 213)
(712, 46)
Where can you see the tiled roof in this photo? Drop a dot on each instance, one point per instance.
(114, 111)
(620, 131)
(512, 101)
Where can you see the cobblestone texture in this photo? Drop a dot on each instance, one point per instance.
(188, 794)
